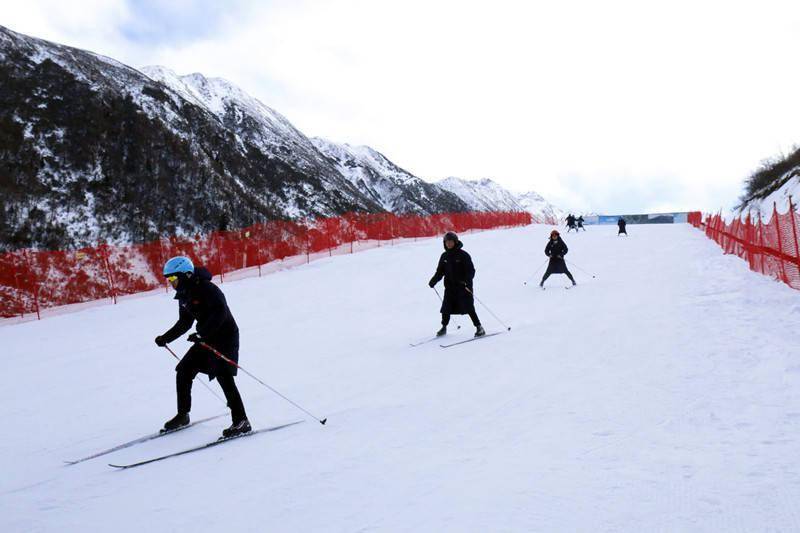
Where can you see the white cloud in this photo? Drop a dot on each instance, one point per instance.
(586, 102)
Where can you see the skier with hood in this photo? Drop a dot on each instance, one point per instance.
(621, 223)
(556, 249)
(202, 301)
(455, 266)
(571, 223)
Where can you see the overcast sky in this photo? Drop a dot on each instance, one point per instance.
(609, 106)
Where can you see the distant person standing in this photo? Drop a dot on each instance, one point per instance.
(621, 223)
(455, 266)
(556, 249)
(579, 220)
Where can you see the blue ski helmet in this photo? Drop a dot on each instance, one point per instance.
(178, 265)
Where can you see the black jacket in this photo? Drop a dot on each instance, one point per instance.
(199, 299)
(556, 250)
(456, 267)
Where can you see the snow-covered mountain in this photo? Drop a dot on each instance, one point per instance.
(482, 195)
(387, 184)
(543, 211)
(487, 195)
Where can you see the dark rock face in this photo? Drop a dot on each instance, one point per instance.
(93, 150)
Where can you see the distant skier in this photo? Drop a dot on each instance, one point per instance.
(556, 249)
(201, 300)
(571, 223)
(455, 266)
(579, 220)
(621, 223)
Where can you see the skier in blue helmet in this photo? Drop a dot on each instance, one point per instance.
(202, 301)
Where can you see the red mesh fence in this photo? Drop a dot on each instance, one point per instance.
(33, 280)
(770, 248)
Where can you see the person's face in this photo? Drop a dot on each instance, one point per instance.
(554, 236)
(450, 244)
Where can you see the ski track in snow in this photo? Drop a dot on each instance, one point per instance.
(664, 395)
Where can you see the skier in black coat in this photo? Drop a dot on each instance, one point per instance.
(621, 223)
(579, 220)
(571, 223)
(202, 301)
(455, 266)
(556, 249)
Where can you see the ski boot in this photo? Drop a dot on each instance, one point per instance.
(442, 331)
(480, 332)
(236, 429)
(176, 422)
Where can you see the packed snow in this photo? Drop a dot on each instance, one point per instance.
(662, 394)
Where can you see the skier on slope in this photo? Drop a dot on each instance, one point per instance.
(579, 220)
(571, 223)
(455, 266)
(556, 249)
(199, 299)
(621, 223)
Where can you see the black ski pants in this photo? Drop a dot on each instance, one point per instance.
(472, 315)
(197, 360)
(548, 272)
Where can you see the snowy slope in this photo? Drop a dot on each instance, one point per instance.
(392, 187)
(620, 405)
(779, 198)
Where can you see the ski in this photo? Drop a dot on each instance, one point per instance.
(470, 340)
(143, 439)
(204, 446)
(424, 341)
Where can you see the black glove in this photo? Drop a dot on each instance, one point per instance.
(194, 337)
(160, 341)
(431, 284)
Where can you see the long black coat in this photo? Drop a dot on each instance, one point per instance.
(201, 300)
(456, 267)
(621, 223)
(556, 250)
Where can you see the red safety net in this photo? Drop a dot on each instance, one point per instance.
(770, 248)
(32, 280)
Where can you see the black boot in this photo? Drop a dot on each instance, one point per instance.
(480, 332)
(442, 331)
(237, 428)
(176, 422)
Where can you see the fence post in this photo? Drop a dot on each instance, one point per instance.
(104, 255)
(219, 260)
(19, 294)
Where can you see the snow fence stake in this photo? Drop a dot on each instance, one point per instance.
(234, 363)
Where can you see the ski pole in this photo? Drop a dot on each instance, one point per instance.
(234, 363)
(201, 381)
(487, 308)
(537, 270)
(458, 326)
(579, 268)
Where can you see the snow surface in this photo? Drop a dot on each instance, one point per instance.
(663, 395)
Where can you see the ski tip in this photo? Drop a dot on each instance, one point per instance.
(121, 467)
(70, 463)
(323, 421)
